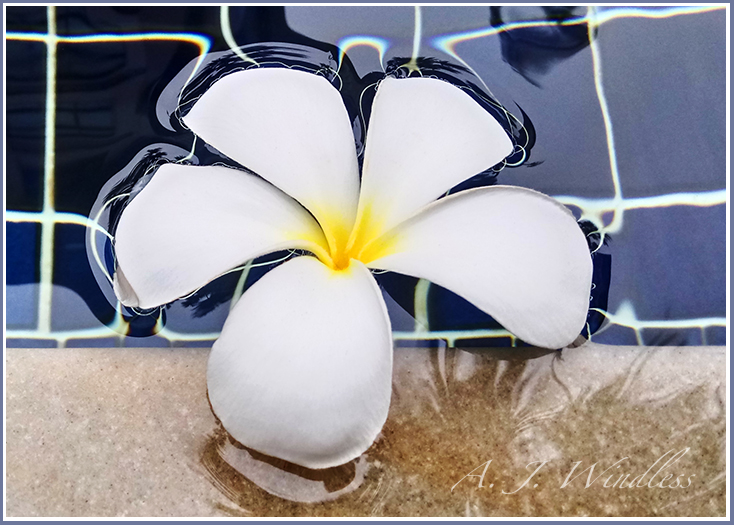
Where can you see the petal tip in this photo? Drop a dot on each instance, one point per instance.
(123, 290)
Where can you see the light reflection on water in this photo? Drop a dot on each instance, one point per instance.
(73, 31)
(89, 35)
(454, 410)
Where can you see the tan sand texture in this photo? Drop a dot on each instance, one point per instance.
(129, 432)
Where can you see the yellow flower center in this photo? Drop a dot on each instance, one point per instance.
(365, 242)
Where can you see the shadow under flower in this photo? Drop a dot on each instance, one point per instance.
(233, 467)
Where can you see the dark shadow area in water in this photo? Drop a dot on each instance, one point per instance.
(534, 51)
(241, 472)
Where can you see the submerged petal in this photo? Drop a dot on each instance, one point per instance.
(515, 253)
(425, 136)
(302, 370)
(190, 224)
(290, 127)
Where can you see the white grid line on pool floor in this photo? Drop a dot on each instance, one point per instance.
(593, 208)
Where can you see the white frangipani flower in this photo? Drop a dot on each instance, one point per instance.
(302, 370)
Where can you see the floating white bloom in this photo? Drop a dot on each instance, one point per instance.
(302, 370)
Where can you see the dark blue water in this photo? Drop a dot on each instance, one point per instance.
(661, 271)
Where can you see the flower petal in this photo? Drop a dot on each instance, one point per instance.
(291, 128)
(303, 368)
(517, 254)
(190, 224)
(424, 137)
